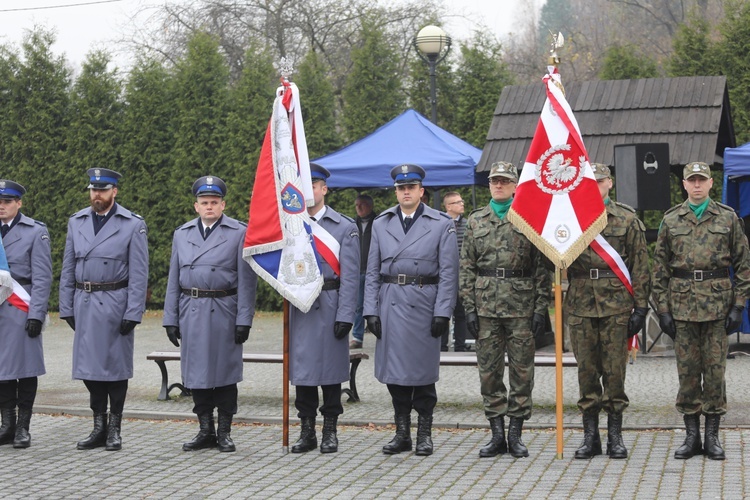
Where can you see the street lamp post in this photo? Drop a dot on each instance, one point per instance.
(432, 45)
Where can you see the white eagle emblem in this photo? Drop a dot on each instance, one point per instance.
(557, 174)
(559, 170)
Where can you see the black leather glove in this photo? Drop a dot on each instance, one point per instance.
(472, 324)
(666, 323)
(373, 324)
(173, 334)
(440, 326)
(71, 321)
(241, 334)
(127, 326)
(341, 329)
(731, 324)
(637, 320)
(33, 327)
(538, 325)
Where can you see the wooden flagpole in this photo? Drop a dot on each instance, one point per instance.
(285, 383)
(558, 362)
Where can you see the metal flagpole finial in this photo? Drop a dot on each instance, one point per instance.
(557, 42)
(285, 67)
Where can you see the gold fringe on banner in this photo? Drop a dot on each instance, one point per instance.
(565, 259)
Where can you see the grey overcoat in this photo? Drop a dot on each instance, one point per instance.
(317, 357)
(118, 252)
(210, 358)
(407, 354)
(27, 248)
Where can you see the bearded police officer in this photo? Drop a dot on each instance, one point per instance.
(210, 304)
(602, 316)
(318, 344)
(505, 289)
(102, 297)
(699, 304)
(410, 293)
(27, 249)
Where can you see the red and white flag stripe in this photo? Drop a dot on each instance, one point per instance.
(327, 246)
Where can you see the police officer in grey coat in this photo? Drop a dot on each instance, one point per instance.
(410, 292)
(318, 347)
(27, 249)
(102, 297)
(210, 304)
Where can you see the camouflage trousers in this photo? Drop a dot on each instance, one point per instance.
(701, 352)
(495, 337)
(600, 348)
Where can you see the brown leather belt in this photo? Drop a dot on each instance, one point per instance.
(505, 273)
(700, 275)
(88, 286)
(197, 293)
(331, 284)
(593, 274)
(407, 279)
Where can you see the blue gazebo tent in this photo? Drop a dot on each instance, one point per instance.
(736, 192)
(408, 138)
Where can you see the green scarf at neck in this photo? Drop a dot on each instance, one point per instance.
(500, 207)
(606, 201)
(699, 209)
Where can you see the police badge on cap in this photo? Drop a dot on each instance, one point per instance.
(209, 185)
(408, 173)
(10, 190)
(102, 178)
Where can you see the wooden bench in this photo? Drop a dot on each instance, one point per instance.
(470, 359)
(161, 358)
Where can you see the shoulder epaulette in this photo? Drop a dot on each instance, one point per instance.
(347, 217)
(40, 223)
(626, 207)
(673, 209)
(383, 215)
(726, 207)
(445, 215)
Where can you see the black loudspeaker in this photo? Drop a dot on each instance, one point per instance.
(642, 175)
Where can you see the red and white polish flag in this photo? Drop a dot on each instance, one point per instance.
(557, 204)
(10, 290)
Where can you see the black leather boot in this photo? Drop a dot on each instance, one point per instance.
(22, 438)
(307, 440)
(8, 429)
(692, 445)
(497, 444)
(424, 436)
(98, 436)
(711, 444)
(223, 438)
(114, 441)
(402, 440)
(515, 444)
(592, 442)
(330, 442)
(615, 446)
(206, 437)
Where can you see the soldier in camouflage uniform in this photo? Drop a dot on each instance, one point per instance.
(602, 316)
(505, 289)
(697, 303)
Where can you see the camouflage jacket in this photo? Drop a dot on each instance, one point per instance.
(604, 297)
(714, 242)
(491, 243)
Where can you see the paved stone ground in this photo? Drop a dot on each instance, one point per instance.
(152, 465)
